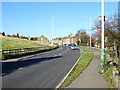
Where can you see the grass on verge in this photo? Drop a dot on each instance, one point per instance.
(85, 48)
(81, 65)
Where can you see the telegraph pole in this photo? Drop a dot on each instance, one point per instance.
(90, 21)
(52, 26)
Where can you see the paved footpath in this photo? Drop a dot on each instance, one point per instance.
(90, 78)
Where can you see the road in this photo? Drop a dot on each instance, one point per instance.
(44, 70)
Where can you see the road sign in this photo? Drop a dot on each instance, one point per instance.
(100, 18)
(100, 32)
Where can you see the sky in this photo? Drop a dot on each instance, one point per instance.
(35, 18)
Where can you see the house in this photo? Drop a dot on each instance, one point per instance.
(64, 40)
(43, 40)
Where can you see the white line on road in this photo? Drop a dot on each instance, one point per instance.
(56, 55)
(19, 68)
(63, 52)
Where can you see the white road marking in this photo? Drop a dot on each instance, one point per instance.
(63, 52)
(60, 54)
(19, 68)
(56, 55)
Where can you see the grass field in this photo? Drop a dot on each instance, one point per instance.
(17, 43)
(9, 43)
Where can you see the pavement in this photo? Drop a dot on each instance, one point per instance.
(90, 78)
(44, 70)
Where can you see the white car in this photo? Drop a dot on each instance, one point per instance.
(73, 46)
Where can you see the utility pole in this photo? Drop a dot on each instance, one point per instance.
(79, 36)
(28, 36)
(52, 26)
(90, 31)
(90, 21)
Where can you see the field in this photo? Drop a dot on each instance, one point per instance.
(17, 43)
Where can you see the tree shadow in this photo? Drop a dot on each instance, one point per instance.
(8, 67)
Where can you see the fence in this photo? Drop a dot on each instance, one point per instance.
(15, 52)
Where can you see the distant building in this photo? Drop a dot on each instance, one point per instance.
(65, 40)
(43, 40)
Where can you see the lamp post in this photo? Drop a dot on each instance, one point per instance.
(79, 36)
(52, 26)
(28, 36)
(90, 21)
(102, 19)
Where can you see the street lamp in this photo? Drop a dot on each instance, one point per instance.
(90, 21)
(28, 36)
(52, 26)
(79, 36)
(102, 19)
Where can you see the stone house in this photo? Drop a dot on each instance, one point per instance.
(43, 40)
(65, 40)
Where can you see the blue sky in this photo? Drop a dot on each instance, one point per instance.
(35, 18)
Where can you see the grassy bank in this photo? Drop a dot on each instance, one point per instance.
(9, 43)
(17, 43)
(108, 77)
(79, 68)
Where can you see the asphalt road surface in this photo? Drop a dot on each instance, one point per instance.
(44, 70)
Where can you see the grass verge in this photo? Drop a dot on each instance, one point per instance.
(85, 48)
(108, 77)
(81, 65)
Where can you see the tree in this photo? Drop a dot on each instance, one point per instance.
(3, 33)
(112, 33)
(31, 38)
(35, 39)
(84, 38)
(17, 34)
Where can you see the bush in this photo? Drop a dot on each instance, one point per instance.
(107, 75)
(111, 53)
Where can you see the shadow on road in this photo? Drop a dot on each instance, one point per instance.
(8, 67)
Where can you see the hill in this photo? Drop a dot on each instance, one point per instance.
(17, 43)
